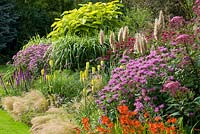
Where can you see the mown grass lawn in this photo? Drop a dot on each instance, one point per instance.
(9, 126)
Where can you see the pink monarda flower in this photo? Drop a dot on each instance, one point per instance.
(184, 38)
(196, 7)
(177, 22)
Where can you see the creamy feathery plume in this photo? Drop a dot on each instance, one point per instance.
(101, 37)
(125, 33)
(120, 34)
(112, 41)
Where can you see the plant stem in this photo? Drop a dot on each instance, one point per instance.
(3, 84)
(194, 68)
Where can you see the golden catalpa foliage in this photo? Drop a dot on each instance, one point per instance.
(88, 19)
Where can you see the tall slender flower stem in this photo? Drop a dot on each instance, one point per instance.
(197, 82)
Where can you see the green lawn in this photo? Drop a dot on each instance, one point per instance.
(9, 126)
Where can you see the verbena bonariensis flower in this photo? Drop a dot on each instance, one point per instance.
(32, 58)
(177, 22)
(128, 82)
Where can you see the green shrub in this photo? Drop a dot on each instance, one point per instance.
(88, 19)
(72, 52)
(137, 19)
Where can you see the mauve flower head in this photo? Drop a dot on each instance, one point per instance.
(177, 22)
(184, 38)
(172, 85)
(123, 101)
(122, 61)
(156, 110)
(161, 106)
(147, 98)
(196, 7)
(139, 106)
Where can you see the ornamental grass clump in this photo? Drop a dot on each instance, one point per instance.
(54, 121)
(32, 101)
(72, 52)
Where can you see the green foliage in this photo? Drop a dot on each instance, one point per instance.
(8, 20)
(37, 40)
(137, 19)
(73, 52)
(88, 19)
(186, 108)
(36, 16)
(170, 7)
(64, 84)
(8, 31)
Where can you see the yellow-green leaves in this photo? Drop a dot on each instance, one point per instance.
(88, 19)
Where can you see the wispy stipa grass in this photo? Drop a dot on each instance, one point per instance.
(32, 101)
(55, 121)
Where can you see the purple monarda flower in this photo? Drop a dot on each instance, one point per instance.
(31, 58)
(132, 83)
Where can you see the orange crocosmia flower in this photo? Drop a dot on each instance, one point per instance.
(157, 118)
(85, 120)
(172, 120)
(124, 119)
(101, 129)
(105, 120)
(169, 131)
(110, 125)
(123, 109)
(146, 115)
(161, 126)
(132, 113)
(78, 131)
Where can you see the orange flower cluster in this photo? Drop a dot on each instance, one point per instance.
(129, 124)
(160, 128)
(108, 125)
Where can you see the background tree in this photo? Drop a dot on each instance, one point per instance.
(8, 31)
